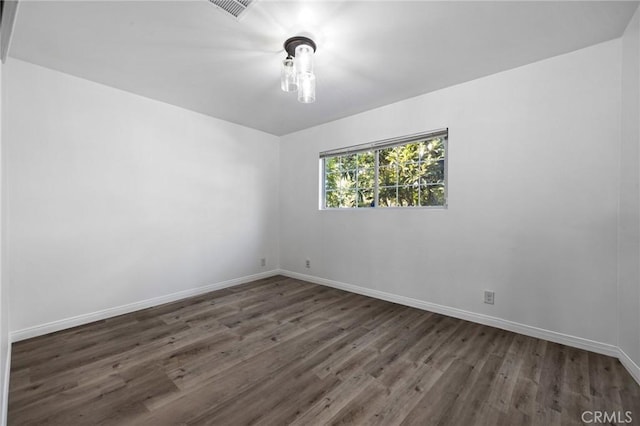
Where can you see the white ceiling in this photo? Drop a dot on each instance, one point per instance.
(370, 53)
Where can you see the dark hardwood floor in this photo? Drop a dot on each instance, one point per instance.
(282, 351)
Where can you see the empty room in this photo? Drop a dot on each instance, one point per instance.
(231, 212)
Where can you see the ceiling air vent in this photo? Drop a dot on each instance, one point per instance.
(232, 7)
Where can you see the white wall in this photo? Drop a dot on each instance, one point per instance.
(533, 199)
(629, 222)
(4, 296)
(114, 198)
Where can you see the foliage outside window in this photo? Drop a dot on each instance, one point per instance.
(406, 172)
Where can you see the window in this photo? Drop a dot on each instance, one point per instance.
(403, 172)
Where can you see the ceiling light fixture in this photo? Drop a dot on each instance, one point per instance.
(297, 69)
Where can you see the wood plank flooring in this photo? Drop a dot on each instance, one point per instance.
(282, 351)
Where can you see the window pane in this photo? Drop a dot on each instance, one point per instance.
(349, 162)
(331, 181)
(347, 199)
(432, 195)
(435, 149)
(331, 164)
(390, 156)
(349, 175)
(420, 151)
(409, 173)
(331, 200)
(366, 159)
(388, 176)
(383, 159)
(340, 199)
(408, 196)
(409, 152)
(366, 197)
(388, 197)
(366, 177)
(341, 181)
(433, 172)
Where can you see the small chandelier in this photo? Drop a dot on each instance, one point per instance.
(297, 69)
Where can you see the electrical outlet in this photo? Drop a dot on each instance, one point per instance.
(307, 263)
(263, 262)
(489, 297)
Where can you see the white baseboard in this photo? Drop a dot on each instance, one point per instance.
(65, 323)
(5, 388)
(631, 366)
(527, 330)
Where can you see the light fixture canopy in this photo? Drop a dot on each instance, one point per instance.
(293, 42)
(297, 68)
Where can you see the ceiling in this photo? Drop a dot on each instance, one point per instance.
(370, 53)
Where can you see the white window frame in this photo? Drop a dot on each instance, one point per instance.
(376, 147)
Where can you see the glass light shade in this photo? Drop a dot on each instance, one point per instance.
(306, 88)
(288, 77)
(304, 59)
